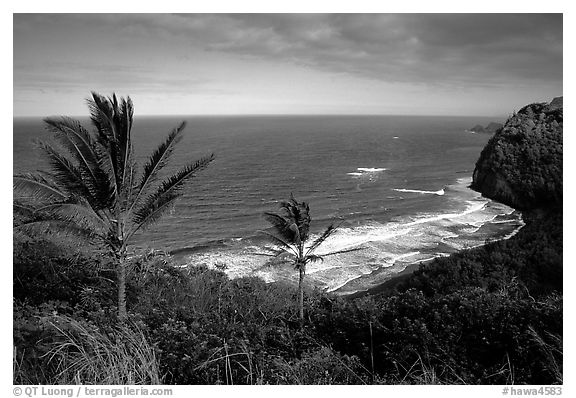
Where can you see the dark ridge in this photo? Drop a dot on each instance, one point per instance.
(521, 166)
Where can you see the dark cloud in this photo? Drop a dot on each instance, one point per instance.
(441, 62)
(438, 49)
(419, 48)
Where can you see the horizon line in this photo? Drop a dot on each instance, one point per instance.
(207, 115)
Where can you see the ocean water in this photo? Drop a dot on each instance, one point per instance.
(396, 185)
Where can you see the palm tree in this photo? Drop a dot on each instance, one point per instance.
(290, 233)
(91, 188)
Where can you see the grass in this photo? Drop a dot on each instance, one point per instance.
(552, 353)
(86, 355)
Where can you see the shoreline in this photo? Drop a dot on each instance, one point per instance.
(410, 268)
(390, 283)
(386, 285)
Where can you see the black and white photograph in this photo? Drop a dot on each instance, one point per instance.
(287, 199)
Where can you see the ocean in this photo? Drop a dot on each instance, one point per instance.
(396, 185)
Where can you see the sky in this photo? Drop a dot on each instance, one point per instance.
(212, 64)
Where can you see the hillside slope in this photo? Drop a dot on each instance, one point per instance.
(521, 165)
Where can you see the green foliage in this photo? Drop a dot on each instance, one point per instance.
(209, 329)
(484, 316)
(468, 336)
(321, 366)
(522, 163)
(212, 330)
(474, 317)
(533, 259)
(33, 339)
(42, 272)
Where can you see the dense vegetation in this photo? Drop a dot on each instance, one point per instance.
(522, 163)
(488, 315)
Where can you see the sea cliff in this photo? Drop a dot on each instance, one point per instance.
(521, 166)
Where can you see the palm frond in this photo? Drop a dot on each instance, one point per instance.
(123, 115)
(291, 208)
(38, 187)
(294, 207)
(130, 186)
(87, 158)
(313, 258)
(80, 214)
(22, 211)
(41, 205)
(102, 113)
(123, 118)
(65, 172)
(299, 213)
(355, 249)
(161, 155)
(22, 207)
(283, 226)
(158, 160)
(280, 241)
(55, 228)
(272, 252)
(155, 204)
(318, 241)
(105, 162)
(277, 221)
(145, 217)
(76, 139)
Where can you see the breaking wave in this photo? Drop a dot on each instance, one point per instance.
(366, 171)
(370, 169)
(440, 192)
(384, 247)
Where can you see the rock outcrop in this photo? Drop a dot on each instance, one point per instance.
(491, 128)
(521, 165)
(478, 128)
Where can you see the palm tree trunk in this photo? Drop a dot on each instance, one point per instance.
(302, 269)
(122, 314)
(121, 258)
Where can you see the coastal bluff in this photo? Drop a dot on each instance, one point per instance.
(521, 165)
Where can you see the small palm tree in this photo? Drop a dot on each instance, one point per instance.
(290, 233)
(91, 188)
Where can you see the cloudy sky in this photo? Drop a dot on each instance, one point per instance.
(428, 64)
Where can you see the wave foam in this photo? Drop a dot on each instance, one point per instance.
(385, 247)
(439, 192)
(371, 169)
